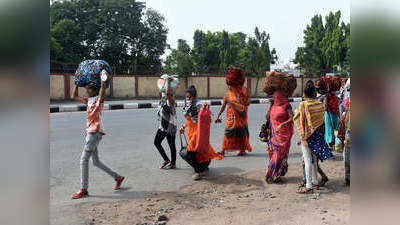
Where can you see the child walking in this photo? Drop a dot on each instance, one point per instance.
(309, 121)
(94, 134)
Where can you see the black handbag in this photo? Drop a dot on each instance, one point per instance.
(183, 152)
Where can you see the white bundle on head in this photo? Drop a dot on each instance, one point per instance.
(162, 83)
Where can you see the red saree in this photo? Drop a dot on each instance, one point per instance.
(279, 144)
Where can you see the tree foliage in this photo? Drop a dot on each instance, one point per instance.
(122, 32)
(326, 46)
(214, 52)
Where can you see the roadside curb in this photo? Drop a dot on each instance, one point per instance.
(135, 105)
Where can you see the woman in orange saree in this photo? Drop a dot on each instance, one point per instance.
(200, 161)
(236, 136)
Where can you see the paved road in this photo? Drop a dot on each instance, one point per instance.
(128, 148)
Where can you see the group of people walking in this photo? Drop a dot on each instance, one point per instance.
(313, 120)
(316, 119)
(236, 136)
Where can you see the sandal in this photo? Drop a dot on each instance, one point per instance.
(301, 184)
(323, 181)
(164, 164)
(315, 187)
(277, 180)
(305, 191)
(170, 167)
(269, 180)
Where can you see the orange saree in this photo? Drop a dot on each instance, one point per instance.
(192, 137)
(236, 136)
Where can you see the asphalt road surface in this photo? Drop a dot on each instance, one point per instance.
(128, 149)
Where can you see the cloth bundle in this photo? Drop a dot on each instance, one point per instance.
(279, 81)
(328, 84)
(162, 83)
(89, 72)
(235, 77)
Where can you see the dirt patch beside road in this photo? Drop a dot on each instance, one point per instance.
(234, 199)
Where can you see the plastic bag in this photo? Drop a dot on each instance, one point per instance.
(162, 83)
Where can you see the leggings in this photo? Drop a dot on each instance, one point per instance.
(171, 142)
(198, 167)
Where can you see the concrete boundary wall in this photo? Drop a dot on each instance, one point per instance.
(144, 86)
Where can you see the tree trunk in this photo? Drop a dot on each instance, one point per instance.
(255, 92)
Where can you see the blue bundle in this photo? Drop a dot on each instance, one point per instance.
(89, 71)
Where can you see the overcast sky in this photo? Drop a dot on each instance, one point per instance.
(284, 20)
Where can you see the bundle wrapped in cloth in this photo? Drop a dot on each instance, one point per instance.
(235, 77)
(162, 83)
(275, 81)
(320, 85)
(91, 72)
(328, 84)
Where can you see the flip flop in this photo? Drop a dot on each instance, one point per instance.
(170, 167)
(164, 164)
(305, 191)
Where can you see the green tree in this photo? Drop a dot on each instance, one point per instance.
(257, 55)
(67, 34)
(180, 61)
(238, 44)
(155, 39)
(55, 48)
(121, 32)
(199, 52)
(225, 52)
(214, 52)
(326, 47)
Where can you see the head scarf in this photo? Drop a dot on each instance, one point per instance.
(235, 77)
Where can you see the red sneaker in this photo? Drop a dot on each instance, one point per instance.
(81, 194)
(118, 182)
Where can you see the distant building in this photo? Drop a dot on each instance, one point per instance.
(287, 66)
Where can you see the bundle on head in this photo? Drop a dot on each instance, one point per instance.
(320, 85)
(331, 83)
(275, 81)
(235, 77)
(89, 72)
